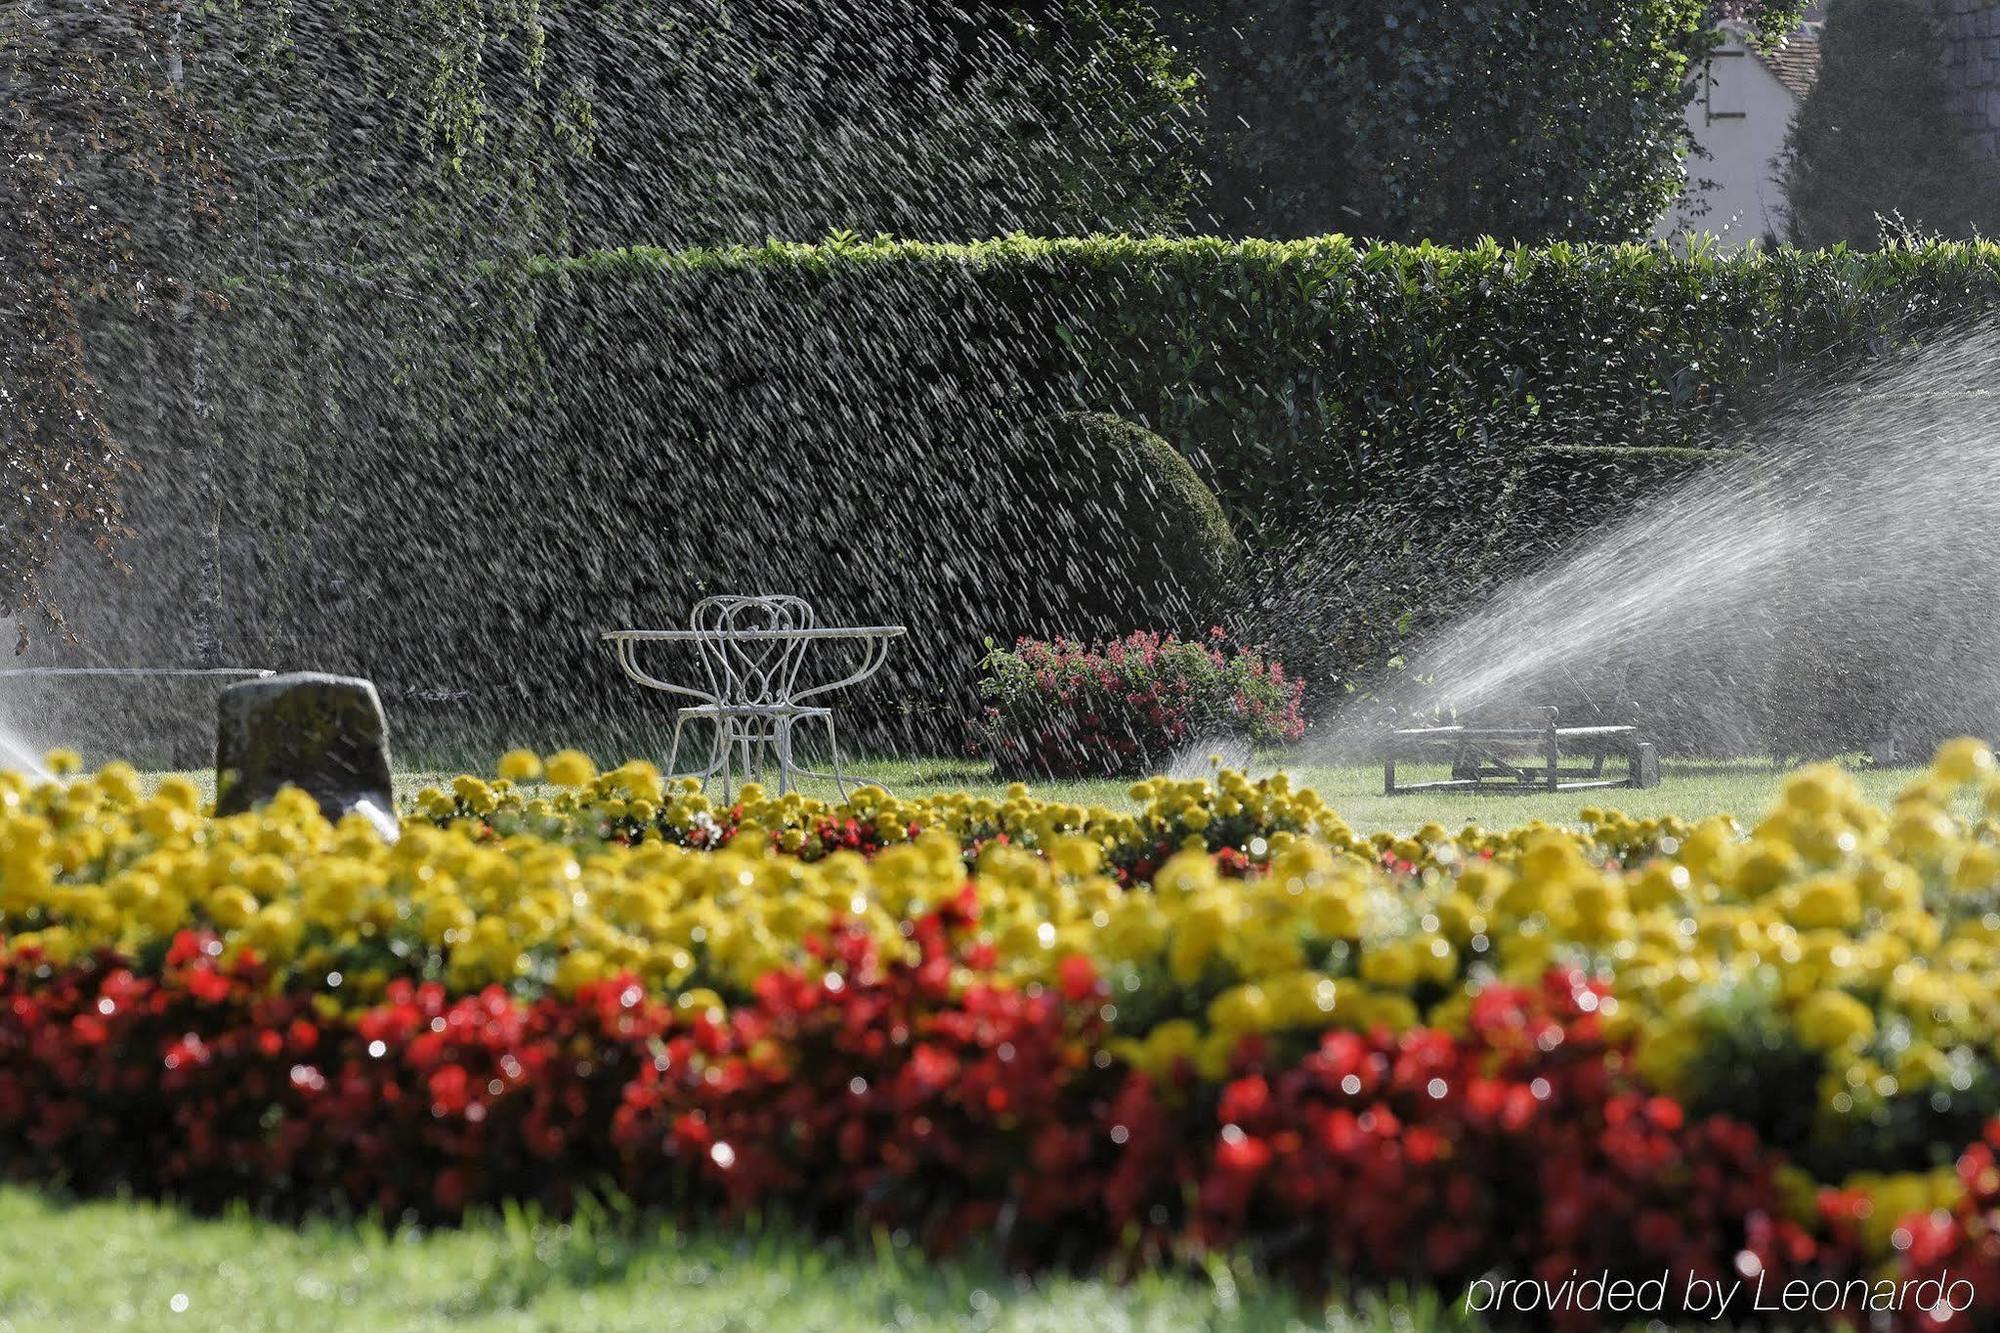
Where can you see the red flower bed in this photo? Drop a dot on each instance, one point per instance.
(200, 1085)
(882, 1094)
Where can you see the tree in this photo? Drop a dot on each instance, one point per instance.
(95, 134)
(708, 121)
(1874, 147)
(378, 155)
(128, 129)
(1402, 119)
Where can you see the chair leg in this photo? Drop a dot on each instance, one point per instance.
(715, 758)
(725, 746)
(674, 750)
(783, 729)
(838, 778)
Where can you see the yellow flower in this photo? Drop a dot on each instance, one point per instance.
(1135, 929)
(1830, 1020)
(701, 1000)
(570, 768)
(520, 766)
(1301, 999)
(1240, 1010)
(1391, 966)
(62, 762)
(231, 907)
(1963, 760)
(1764, 865)
(476, 794)
(1166, 1045)
(1263, 950)
(578, 968)
(1822, 902)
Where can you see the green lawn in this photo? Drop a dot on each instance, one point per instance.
(130, 1265)
(1690, 788)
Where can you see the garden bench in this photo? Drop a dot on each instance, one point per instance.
(1521, 750)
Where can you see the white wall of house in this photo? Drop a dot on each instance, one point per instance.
(1739, 114)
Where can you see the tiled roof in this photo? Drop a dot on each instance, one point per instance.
(1796, 63)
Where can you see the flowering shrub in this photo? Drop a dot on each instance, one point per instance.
(1221, 1018)
(1128, 706)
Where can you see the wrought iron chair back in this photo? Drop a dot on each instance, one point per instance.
(751, 651)
(752, 672)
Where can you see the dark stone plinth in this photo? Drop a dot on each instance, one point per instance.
(1645, 765)
(325, 735)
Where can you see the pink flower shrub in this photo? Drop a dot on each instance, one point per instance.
(1063, 709)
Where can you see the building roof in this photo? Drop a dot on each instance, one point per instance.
(1796, 61)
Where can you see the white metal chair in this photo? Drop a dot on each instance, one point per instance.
(751, 649)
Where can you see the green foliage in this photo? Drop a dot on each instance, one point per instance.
(1127, 534)
(1298, 375)
(850, 421)
(708, 120)
(1369, 416)
(1874, 149)
(1403, 119)
(105, 151)
(355, 163)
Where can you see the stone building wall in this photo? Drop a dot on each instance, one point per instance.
(1972, 66)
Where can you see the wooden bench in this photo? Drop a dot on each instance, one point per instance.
(1521, 750)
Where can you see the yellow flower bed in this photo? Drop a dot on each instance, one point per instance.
(1867, 936)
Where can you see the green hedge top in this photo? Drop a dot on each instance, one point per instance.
(1867, 269)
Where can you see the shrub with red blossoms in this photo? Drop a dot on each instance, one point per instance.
(1127, 707)
(1961, 1243)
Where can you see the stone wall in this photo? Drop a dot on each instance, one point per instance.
(1972, 66)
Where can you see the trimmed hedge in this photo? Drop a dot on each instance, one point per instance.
(847, 420)
(1378, 421)
(1323, 364)
(1115, 519)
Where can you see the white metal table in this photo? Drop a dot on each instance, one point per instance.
(753, 697)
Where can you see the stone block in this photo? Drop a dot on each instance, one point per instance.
(325, 735)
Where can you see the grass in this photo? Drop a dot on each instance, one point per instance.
(1690, 788)
(139, 1265)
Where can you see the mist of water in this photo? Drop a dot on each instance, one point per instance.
(15, 757)
(1202, 758)
(1836, 586)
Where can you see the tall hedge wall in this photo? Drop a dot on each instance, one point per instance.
(1377, 420)
(1391, 429)
(1296, 373)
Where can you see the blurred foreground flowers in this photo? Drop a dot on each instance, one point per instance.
(1217, 1018)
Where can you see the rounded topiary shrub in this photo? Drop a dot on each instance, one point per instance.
(1117, 530)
